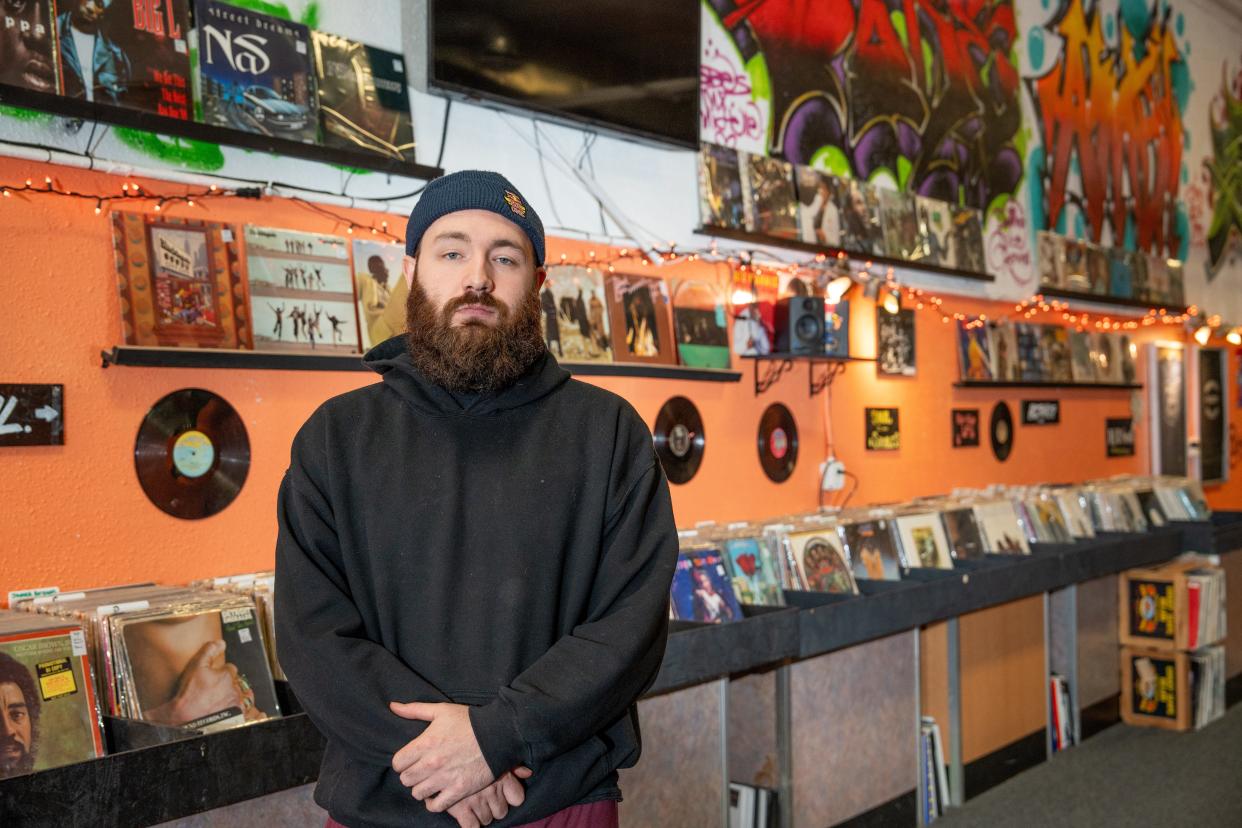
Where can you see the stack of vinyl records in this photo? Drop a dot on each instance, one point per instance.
(751, 806)
(1207, 685)
(261, 587)
(1062, 713)
(173, 656)
(932, 770)
(48, 696)
(1205, 607)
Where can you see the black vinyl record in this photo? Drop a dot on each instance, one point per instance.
(1002, 431)
(778, 443)
(192, 454)
(679, 439)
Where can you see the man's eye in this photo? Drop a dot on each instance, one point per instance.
(505, 260)
(18, 715)
(452, 254)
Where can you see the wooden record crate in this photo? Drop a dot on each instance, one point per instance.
(1155, 688)
(1154, 607)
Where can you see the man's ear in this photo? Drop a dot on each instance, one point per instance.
(408, 265)
(541, 275)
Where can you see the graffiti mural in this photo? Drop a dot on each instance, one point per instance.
(1109, 114)
(924, 93)
(1225, 170)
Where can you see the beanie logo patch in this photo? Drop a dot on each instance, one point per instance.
(515, 203)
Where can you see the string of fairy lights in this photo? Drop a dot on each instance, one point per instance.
(835, 275)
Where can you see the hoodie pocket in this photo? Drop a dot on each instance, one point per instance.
(473, 698)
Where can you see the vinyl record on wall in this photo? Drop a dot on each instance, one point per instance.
(1002, 431)
(192, 454)
(778, 443)
(679, 439)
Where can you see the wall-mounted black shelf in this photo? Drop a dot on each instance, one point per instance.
(832, 252)
(1103, 299)
(195, 131)
(778, 364)
(1106, 386)
(143, 357)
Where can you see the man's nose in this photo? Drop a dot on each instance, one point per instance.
(478, 278)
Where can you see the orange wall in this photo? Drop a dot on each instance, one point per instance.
(74, 515)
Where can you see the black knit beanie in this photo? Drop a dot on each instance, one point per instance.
(474, 190)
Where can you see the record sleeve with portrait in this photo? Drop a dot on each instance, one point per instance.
(1054, 346)
(201, 667)
(963, 534)
(1004, 340)
(755, 572)
(1082, 364)
(895, 343)
(822, 562)
(1030, 355)
(974, 351)
(968, 231)
(819, 211)
(181, 283)
(770, 199)
(47, 695)
(701, 589)
(902, 239)
(700, 322)
(936, 228)
(1051, 252)
(301, 292)
(575, 318)
(923, 541)
(640, 313)
(872, 550)
(862, 226)
(378, 270)
(28, 55)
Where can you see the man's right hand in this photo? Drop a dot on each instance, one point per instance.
(493, 802)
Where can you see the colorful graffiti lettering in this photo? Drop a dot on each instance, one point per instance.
(1009, 246)
(924, 92)
(1111, 117)
(728, 112)
(1225, 170)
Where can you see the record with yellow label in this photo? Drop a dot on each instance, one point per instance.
(192, 454)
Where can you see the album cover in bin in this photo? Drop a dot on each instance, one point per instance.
(701, 589)
(364, 103)
(963, 534)
(755, 575)
(301, 292)
(872, 550)
(923, 541)
(575, 319)
(50, 712)
(819, 212)
(720, 187)
(1001, 529)
(862, 226)
(133, 55)
(378, 270)
(640, 316)
(822, 562)
(255, 72)
(181, 283)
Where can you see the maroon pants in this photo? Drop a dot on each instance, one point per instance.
(592, 815)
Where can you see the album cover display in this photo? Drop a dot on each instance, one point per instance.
(872, 550)
(822, 562)
(756, 575)
(1120, 273)
(819, 213)
(1138, 276)
(974, 351)
(753, 303)
(902, 239)
(181, 283)
(1004, 342)
(1126, 351)
(968, 238)
(640, 319)
(1077, 521)
(1001, 531)
(963, 534)
(1054, 345)
(377, 270)
(936, 229)
(364, 103)
(1045, 513)
(1082, 365)
(255, 72)
(301, 292)
(923, 541)
(771, 201)
(894, 347)
(133, 55)
(575, 318)
(1158, 280)
(1176, 272)
(1152, 510)
(720, 188)
(1098, 268)
(862, 227)
(837, 329)
(31, 60)
(50, 711)
(1074, 266)
(701, 589)
(1030, 357)
(1106, 350)
(699, 322)
(1051, 252)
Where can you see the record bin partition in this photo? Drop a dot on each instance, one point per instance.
(187, 776)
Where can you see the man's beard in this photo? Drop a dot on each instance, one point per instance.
(473, 358)
(23, 762)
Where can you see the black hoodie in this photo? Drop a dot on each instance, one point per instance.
(514, 556)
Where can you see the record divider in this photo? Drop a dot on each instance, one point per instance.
(282, 753)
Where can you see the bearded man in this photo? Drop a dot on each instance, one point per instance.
(474, 558)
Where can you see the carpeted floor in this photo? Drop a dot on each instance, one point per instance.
(1124, 776)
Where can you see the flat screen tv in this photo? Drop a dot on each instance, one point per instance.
(628, 66)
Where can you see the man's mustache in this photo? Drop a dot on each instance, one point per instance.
(485, 300)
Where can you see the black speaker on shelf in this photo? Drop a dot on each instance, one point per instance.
(800, 325)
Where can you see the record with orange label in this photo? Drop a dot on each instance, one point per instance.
(778, 443)
(192, 454)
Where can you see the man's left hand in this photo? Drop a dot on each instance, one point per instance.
(444, 765)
